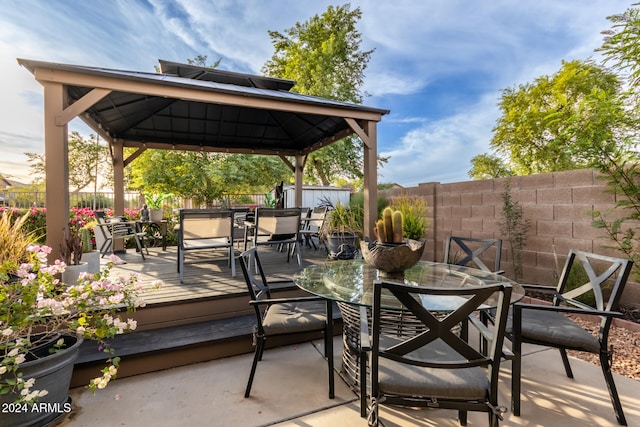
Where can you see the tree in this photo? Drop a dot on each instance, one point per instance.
(622, 44)
(88, 161)
(206, 177)
(615, 149)
(487, 166)
(532, 132)
(323, 56)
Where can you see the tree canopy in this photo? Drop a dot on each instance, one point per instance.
(89, 160)
(206, 177)
(532, 135)
(324, 57)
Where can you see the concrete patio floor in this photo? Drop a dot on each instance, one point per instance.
(290, 390)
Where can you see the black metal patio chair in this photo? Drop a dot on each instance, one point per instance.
(437, 368)
(473, 250)
(284, 316)
(547, 325)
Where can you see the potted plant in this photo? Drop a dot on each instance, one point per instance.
(154, 203)
(71, 252)
(342, 231)
(392, 253)
(42, 324)
(91, 256)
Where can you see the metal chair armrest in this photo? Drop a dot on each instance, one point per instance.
(272, 301)
(563, 309)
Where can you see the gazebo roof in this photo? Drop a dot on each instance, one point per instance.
(198, 108)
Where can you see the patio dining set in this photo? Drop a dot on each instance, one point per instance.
(437, 338)
(409, 342)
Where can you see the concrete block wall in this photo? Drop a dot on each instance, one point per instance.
(558, 205)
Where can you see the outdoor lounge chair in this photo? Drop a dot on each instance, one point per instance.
(284, 316)
(548, 326)
(433, 366)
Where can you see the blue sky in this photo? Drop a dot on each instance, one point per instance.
(438, 65)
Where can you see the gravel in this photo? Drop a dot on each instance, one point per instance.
(624, 339)
(626, 347)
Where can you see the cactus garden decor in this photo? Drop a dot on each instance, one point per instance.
(391, 253)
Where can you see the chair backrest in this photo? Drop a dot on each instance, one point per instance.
(257, 284)
(447, 350)
(601, 280)
(206, 223)
(471, 251)
(101, 217)
(316, 218)
(277, 221)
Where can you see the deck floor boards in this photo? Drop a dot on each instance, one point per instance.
(206, 273)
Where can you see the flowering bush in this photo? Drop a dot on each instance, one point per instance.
(35, 306)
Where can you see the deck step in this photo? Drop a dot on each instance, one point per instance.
(165, 348)
(142, 342)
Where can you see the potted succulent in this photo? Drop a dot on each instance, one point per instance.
(42, 323)
(154, 204)
(392, 253)
(342, 231)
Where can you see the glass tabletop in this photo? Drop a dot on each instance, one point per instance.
(351, 282)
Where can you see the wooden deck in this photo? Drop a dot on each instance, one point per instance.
(206, 273)
(205, 318)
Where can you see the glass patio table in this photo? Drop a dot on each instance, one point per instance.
(350, 284)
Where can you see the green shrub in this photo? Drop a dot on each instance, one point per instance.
(414, 211)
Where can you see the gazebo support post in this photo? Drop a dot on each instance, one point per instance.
(298, 178)
(118, 185)
(56, 151)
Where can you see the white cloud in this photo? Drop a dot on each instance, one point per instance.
(439, 66)
(441, 151)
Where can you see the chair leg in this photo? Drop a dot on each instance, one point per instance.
(605, 364)
(462, 417)
(565, 362)
(328, 348)
(363, 383)
(256, 357)
(516, 372)
(181, 265)
(232, 260)
(139, 246)
(298, 254)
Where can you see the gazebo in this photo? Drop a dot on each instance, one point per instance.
(186, 107)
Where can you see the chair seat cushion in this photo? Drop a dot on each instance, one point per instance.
(404, 379)
(554, 329)
(295, 317)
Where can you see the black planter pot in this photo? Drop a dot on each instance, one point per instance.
(342, 245)
(52, 373)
